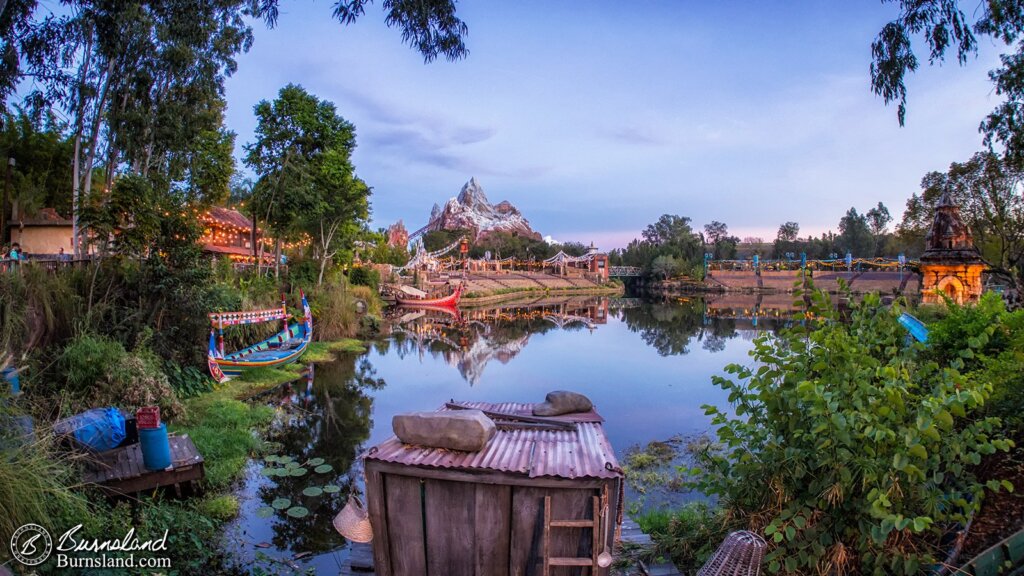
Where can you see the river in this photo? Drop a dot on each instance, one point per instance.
(646, 365)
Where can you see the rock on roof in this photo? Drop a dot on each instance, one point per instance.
(581, 453)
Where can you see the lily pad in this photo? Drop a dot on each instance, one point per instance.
(280, 471)
(313, 491)
(284, 459)
(296, 472)
(331, 489)
(297, 512)
(323, 468)
(268, 472)
(315, 461)
(264, 512)
(292, 464)
(281, 503)
(271, 458)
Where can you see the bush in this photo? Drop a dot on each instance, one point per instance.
(99, 372)
(849, 449)
(688, 535)
(988, 341)
(364, 276)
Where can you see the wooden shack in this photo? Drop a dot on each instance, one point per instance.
(539, 499)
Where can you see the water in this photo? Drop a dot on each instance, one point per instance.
(647, 366)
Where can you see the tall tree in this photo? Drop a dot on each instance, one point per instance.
(878, 219)
(788, 232)
(855, 235)
(302, 156)
(988, 191)
(723, 245)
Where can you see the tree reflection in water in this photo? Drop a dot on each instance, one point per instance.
(325, 414)
(669, 326)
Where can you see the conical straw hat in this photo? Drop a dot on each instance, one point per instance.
(353, 522)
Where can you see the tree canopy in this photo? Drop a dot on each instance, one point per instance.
(307, 183)
(945, 28)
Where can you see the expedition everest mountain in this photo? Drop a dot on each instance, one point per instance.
(472, 211)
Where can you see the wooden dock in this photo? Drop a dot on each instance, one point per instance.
(632, 535)
(120, 472)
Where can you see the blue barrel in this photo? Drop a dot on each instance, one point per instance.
(156, 449)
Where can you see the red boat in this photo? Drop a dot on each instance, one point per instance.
(450, 300)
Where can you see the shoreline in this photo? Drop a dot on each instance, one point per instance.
(515, 293)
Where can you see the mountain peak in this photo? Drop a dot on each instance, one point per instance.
(472, 194)
(472, 210)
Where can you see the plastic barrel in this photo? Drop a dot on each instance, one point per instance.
(156, 449)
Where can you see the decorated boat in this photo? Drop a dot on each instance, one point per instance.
(282, 348)
(450, 300)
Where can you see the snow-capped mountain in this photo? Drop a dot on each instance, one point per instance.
(471, 210)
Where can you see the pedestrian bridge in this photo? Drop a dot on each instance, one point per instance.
(623, 271)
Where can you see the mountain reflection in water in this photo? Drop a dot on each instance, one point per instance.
(469, 339)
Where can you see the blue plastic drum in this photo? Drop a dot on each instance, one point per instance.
(156, 449)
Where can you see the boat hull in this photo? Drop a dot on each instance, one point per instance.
(449, 301)
(283, 348)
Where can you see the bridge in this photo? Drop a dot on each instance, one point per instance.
(421, 231)
(623, 271)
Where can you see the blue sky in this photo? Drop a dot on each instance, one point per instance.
(594, 118)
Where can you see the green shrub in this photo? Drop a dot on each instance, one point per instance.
(989, 342)
(188, 381)
(364, 276)
(99, 372)
(86, 360)
(222, 508)
(847, 448)
(688, 535)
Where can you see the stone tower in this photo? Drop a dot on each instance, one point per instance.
(950, 265)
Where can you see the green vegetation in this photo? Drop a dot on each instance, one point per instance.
(987, 190)
(307, 182)
(688, 535)
(222, 508)
(850, 450)
(327, 351)
(222, 427)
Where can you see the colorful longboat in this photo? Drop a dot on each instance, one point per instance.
(284, 347)
(451, 300)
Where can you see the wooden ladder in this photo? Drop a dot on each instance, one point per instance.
(594, 525)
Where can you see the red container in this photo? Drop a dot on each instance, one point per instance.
(147, 417)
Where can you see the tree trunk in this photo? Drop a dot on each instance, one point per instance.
(95, 134)
(323, 264)
(277, 257)
(76, 169)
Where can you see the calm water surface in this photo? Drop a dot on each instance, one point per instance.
(647, 366)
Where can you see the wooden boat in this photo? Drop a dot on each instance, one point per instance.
(284, 347)
(450, 300)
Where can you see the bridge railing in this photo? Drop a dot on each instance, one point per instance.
(623, 271)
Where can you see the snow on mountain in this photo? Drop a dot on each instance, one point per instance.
(472, 210)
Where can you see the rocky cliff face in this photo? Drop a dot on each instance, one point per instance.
(473, 211)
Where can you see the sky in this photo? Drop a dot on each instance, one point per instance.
(596, 117)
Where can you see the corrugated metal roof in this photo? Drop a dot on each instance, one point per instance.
(582, 453)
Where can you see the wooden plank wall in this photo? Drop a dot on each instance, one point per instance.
(475, 529)
(405, 525)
